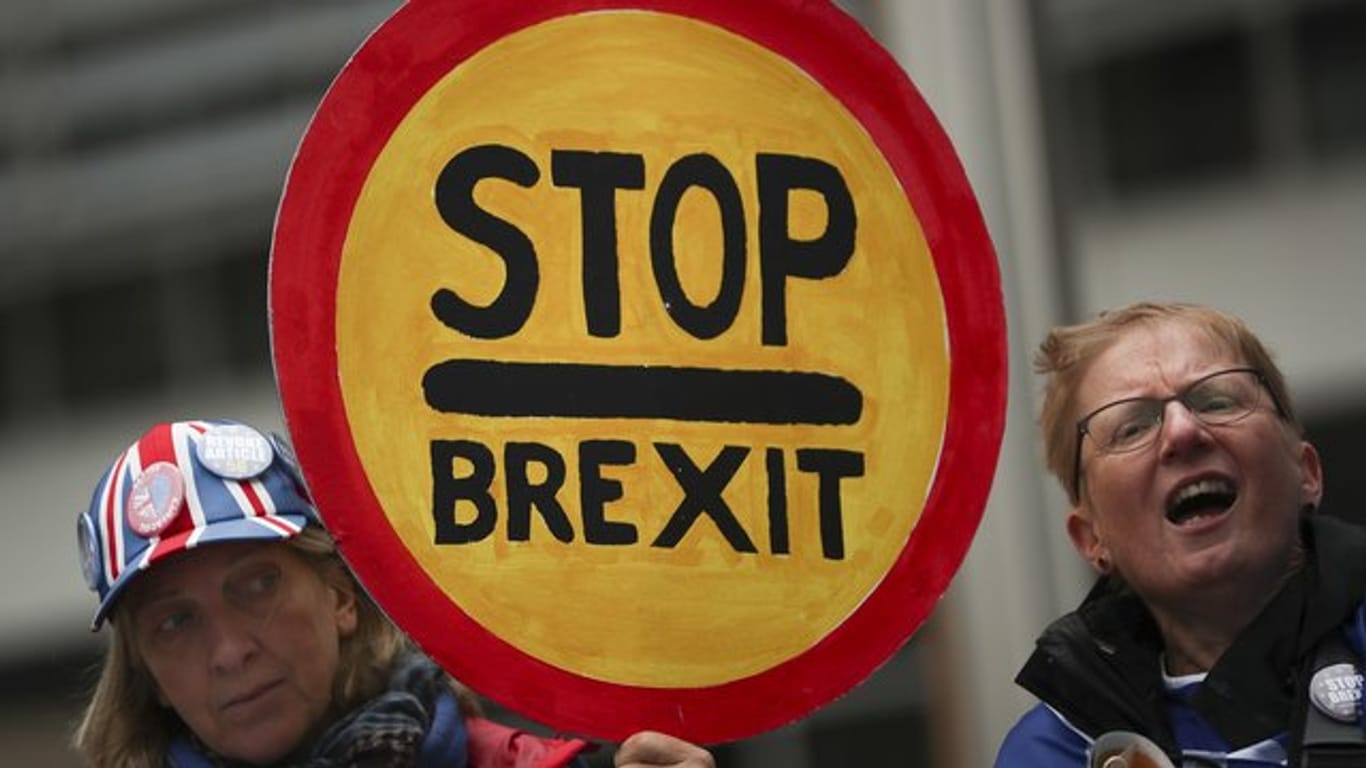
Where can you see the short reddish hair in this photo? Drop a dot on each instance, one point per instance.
(1066, 356)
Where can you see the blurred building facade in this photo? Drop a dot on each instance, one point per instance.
(1210, 151)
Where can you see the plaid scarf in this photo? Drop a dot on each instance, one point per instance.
(415, 722)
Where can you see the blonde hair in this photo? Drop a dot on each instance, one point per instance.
(124, 725)
(1066, 356)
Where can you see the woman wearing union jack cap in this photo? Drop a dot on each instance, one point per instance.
(239, 635)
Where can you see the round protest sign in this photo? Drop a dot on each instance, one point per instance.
(646, 358)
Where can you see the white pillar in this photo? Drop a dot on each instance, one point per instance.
(973, 62)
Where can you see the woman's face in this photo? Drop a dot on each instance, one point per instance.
(242, 640)
(1255, 475)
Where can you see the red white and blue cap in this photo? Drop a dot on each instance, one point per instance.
(183, 485)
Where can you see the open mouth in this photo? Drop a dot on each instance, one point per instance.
(1201, 499)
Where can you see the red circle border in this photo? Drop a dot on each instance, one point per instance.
(399, 63)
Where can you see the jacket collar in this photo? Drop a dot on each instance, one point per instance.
(1099, 665)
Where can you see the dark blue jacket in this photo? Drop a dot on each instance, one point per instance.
(1098, 669)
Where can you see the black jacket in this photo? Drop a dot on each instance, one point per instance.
(1098, 666)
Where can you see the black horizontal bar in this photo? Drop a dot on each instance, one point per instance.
(578, 390)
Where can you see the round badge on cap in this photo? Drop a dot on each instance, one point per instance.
(1336, 691)
(284, 450)
(157, 496)
(87, 544)
(234, 451)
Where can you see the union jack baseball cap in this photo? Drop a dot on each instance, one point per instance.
(183, 485)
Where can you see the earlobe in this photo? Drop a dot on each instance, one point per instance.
(345, 610)
(1311, 474)
(1081, 529)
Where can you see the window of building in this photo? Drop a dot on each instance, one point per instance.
(135, 335)
(243, 283)
(112, 339)
(1194, 94)
(28, 356)
(1330, 51)
(1172, 112)
(216, 316)
(9, 355)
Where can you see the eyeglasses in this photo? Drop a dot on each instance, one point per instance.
(1127, 425)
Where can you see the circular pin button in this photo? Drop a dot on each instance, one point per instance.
(1336, 692)
(87, 545)
(284, 450)
(157, 496)
(234, 451)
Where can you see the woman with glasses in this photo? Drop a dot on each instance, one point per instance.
(1226, 624)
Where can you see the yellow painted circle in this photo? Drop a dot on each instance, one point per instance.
(663, 87)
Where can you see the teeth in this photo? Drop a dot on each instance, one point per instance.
(1214, 485)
